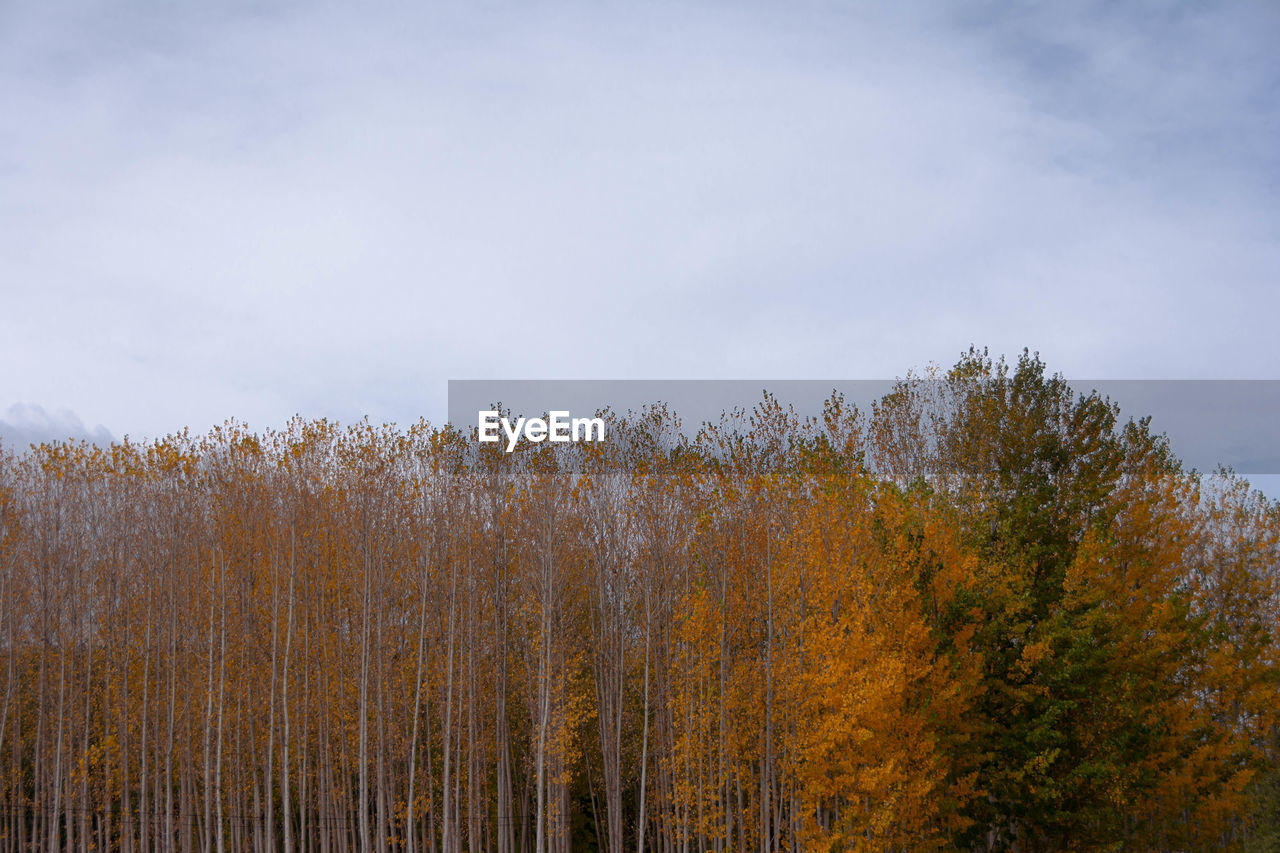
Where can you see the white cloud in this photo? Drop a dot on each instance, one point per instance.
(207, 214)
(27, 423)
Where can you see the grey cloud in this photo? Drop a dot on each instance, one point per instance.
(25, 424)
(325, 209)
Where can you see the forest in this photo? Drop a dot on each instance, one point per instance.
(983, 614)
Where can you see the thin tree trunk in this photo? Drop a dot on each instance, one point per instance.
(410, 827)
(286, 806)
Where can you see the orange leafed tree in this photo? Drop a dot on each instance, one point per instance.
(983, 615)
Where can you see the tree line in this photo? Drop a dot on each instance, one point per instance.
(982, 615)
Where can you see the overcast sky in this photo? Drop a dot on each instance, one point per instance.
(251, 210)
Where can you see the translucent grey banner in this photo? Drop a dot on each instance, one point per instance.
(1234, 423)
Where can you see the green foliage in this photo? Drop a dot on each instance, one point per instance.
(1264, 815)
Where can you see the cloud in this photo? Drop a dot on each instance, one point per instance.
(213, 211)
(26, 424)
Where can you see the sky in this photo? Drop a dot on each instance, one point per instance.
(251, 211)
